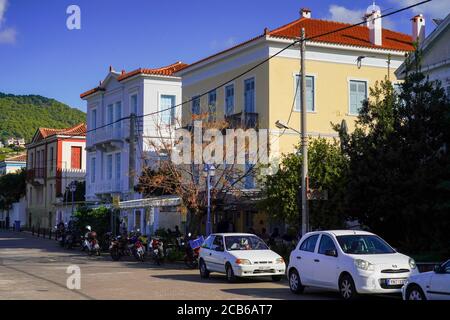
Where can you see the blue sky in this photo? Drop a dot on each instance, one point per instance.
(39, 55)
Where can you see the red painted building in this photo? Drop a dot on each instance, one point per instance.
(55, 158)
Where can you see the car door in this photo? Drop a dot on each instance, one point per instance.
(217, 256)
(206, 252)
(304, 258)
(439, 287)
(326, 265)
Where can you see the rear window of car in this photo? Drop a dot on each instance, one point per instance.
(309, 244)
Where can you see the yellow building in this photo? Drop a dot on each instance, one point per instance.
(340, 69)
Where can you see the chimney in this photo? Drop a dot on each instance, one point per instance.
(374, 25)
(418, 28)
(305, 13)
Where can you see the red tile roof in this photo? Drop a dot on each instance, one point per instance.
(20, 157)
(163, 71)
(357, 36)
(78, 130)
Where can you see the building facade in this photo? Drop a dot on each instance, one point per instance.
(109, 108)
(435, 50)
(13, 164)
(55, 158)
(340, 69)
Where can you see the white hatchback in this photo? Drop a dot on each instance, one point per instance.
(350, 262)
(239, 255)
(433, 285)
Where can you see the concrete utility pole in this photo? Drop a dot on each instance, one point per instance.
(304, 138)
(132, 155)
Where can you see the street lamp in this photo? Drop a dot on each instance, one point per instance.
(72, 188)
(304, 216)
(209, 170)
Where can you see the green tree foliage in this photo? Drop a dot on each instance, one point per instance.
(21, 115)
(327, 172)
(97, 218)
(399, 177)
(12, 188)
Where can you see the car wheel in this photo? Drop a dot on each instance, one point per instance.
(204, 272)
(230, 274)
(414, 292)
(347, 287)
(295, 284)
(276, 278)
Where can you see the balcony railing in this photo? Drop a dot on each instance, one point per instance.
(36, 173)
(106, 134)
(107, 186)
(243, 120)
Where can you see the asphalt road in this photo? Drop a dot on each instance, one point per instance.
(35, 268)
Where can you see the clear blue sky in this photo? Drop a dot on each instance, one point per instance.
(39, 55)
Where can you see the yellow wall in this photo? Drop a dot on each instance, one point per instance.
(331, 96)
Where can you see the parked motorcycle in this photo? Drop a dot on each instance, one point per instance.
(90, 242)
(69, 239)
(157, 250)
(60, 233)
(192, 249)
(118, 247)
(138, 244)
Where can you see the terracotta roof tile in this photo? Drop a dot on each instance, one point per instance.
(20, 157)
(356, 36)
(163, 71)
(78, 130)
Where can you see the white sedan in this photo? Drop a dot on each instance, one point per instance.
(239, 255)
(347, 261)
(433, 285)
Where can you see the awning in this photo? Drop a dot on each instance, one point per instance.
(161, 201)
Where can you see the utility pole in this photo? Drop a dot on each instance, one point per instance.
(304, 138)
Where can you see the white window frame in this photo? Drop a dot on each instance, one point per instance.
(172, 111)
(349, 80)
(93, 169)
(314, 77)
(196, 96)
(131, 95)
(254, 92)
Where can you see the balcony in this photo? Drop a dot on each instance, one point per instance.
(109, 137)
(243, 120)
(35, 174)
(107, 186)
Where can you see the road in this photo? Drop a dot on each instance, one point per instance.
(35, 268)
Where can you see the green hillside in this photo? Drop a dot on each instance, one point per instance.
(21, 115)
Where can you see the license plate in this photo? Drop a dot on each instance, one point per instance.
(396, 282)
(264, 268)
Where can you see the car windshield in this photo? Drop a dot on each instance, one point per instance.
(244, 243)
(363, 244)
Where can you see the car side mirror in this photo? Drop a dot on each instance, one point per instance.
(438, 269)
(331, 253)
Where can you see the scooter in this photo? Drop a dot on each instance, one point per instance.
(90, 242)
(157, 250)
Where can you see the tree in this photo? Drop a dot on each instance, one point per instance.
(12, 188)
(399, 173)
(327, 171)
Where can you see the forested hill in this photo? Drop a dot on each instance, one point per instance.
(21, 115)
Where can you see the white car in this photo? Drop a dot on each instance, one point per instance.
(433, 285)
(350, 262)
(239, 255)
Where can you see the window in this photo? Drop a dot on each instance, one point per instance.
(217, 243)
(50, 193)
(92, 170)
(31, 165)
(249, 176)
(110, 114)
(310, 103)
(196, 105)
(94, 119)
(249, 95)
(309, 244)
(109, 166)
(118, 114)
(133, 104)
(208, 242)
(229, 99)
(52, 154)
(168, 112)
(326, 244)
(358, 93)
(118, 165)
(75, 157)
(212, 100)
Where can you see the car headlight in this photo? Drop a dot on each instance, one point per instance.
(279, 260)
(243, 261)
(412, 263)
(364, 265)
